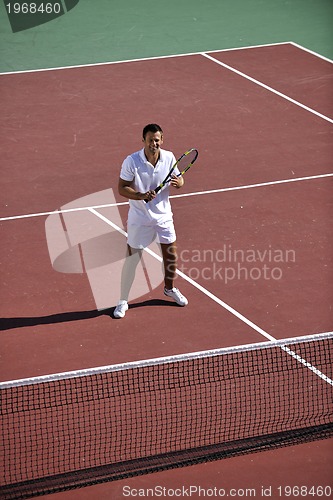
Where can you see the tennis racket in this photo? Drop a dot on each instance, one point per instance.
(184, 163)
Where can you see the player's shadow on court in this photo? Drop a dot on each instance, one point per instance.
(153, 302)
(11, 323)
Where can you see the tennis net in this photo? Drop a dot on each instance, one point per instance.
(79, 428)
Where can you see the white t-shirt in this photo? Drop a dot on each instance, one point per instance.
(146, 177)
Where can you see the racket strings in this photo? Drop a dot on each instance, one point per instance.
(187, 160)
(182, 165)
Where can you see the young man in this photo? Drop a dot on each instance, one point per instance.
(141, 173)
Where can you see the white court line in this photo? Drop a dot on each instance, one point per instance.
(195, 193)
(266, 87)
(192, 282)
(311, 52)
(222, 303)
(307, 365)
(249, 186)
(65, 211)
(153, 58)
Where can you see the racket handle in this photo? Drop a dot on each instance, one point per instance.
(156, 191)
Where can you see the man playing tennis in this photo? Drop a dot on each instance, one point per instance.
(150, 214)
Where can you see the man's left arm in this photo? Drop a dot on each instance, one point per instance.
(176, 181)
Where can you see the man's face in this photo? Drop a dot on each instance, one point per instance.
(152, 142)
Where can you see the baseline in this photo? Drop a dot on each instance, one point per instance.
(124, 61)
(166, 57)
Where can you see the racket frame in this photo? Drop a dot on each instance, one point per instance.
(168, 177)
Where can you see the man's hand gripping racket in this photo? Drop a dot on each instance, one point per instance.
(184, 163)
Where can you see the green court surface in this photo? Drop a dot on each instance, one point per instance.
(105, 30)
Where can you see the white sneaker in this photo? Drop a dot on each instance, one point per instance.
(178, 297)
(120, 309)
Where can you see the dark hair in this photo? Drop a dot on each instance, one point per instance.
(151, 127)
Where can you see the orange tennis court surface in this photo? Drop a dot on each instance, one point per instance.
(252, 221)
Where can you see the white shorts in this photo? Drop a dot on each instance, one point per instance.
(142, 236)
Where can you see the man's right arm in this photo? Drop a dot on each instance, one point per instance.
(125, 189)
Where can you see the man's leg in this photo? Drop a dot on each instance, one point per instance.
(127, 277)
(169, 254)
(128, 272)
